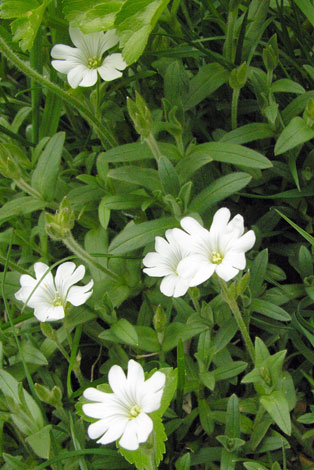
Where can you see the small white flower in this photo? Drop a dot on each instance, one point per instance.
(51, 295)
(123, 413)
(221, 249)
(164, 262)
(83, 62)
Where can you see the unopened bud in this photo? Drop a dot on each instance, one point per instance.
(238, 77)
(51, 397)
(309, 113)
(160, 319)
(59, 225)
(140, 115)
(271, 54)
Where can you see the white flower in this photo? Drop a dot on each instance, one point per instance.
(164, 262)
(221, 249)
(51, 295)
(123, 413)
(83, 62)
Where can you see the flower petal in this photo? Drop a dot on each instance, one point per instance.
(135, 380)
(118, 384)
(66, 53)
(90, 78)
(220, 221)
(115, 61)
(246, 242)
(40, 269)
(143, 427)
(67, 275)
(236, 226)
(129, 439)
(191, 226)
(46, 312)
(116, 427)
(76, 75)
(195, 269)
(155, 383)
(226, 271)
(103, 410)
(235, 259)
(174, 286)
(78, 295)
(63, 66)
(93, 394)
(108, 73)
(108, 40)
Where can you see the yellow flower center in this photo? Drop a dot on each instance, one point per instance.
(135, 411)
(57, 301)
(216, 258)
(93, 62)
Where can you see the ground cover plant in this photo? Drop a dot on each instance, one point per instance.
(156, 236)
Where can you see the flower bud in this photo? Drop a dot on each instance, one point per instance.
(271, 54)
(9, 168)
(140, 115)
(160, 319)
(309, 113)
(238, 77)
(59, 225)
(51, 397)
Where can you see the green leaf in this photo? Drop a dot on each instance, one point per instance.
(234, 154)
(209, 78)
(205, 416)
(305, 262)
(29, 15)
(20, 206)
(92, 15)
(125, 201)
(248, 133)
(219, 190)
(153, 449)
(40, 442)
(307, 8)
(269, 310)
(32, 355)
(135, 152)
(296, 106)
(296, 133)
(146, 177)
(227, 372)
(258, 272)
(277, 406)
(134, 23)
(147, 339)
(135, 236)
(45, 174)
(254, 466)
(169, 390)
(184, 462)
(125, 331)
(168, 176)
(302, 232)
(287, 86)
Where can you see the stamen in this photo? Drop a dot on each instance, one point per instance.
(57, 301)
(93, 62)
(216, 258)
(135, 411)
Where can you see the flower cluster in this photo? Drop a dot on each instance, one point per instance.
(188, 258)
(123, 413)
(48, 296)
(83, 63)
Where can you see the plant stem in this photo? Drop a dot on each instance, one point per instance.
(231, 301)
(104, 134)
(152, 144)
(36, 63)
(234, 107)
(73, 246)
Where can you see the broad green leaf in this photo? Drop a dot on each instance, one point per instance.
(233, 417)
(287, 86)
(168, 176)
(258, 272)
(40, 442)
(92, 15)
(254, 466)
(305, 262)
(184, 462)
(135, 152)
(135, 236)
(229, 371)
(28, 14)
(205, 416)
(302, 232)
(124, 201)
(219, 190)
(32, 355)
(225, 334)
(209, 78)
(296, 106)
(147, 339)
(269, 310)
(257, 22)
(45, 174)
(248, 133)
(125, 331)
(296, 133)
(134, 23)
(277, 406)
(20, 206)
(152, 450)
(146, 177)
(307, 8)
(169, 390)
